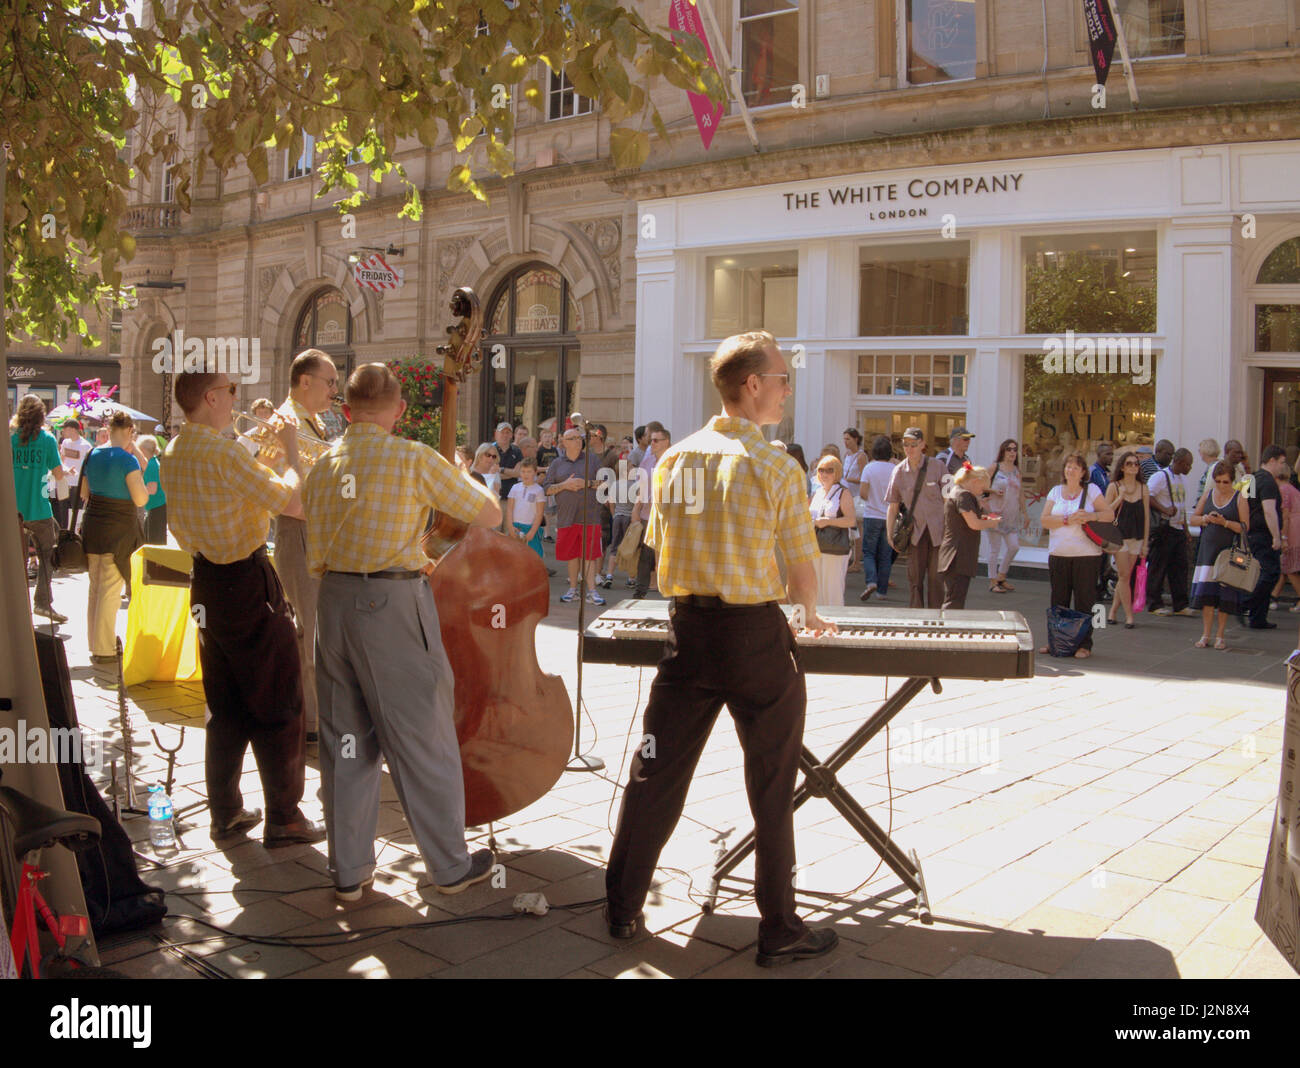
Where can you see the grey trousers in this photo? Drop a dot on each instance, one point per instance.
(302, 590)
(385, 692)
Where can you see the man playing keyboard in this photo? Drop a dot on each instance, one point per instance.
(728, 643)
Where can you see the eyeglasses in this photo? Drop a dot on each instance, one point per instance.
(826, 470)
(228, 386)
(1013, 448)
(784, 376)
(331, 382)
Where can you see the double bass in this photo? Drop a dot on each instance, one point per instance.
(514, 722)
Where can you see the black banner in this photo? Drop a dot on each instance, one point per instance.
(1101, 36)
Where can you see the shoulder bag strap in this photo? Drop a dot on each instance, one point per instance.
(920, 481)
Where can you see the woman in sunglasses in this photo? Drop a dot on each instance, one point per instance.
(1127, 495)
(1224, 514)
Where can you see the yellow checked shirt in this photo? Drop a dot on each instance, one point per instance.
(308, 425)
(723, 499)
(366, 501)
(219, 499)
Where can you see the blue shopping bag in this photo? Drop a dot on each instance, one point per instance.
(1066, 630)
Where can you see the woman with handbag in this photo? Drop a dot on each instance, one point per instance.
(1127, 496)
(1007, 499)
(113, 485)
(832, 514)
(1073, 559)
(963, 519)
(1224, 514)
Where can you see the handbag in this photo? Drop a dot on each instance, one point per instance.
(834, 541)
(1106, 535)
(1140, 587)
(69, 554)
(1237, 567)
(900, 537)
(629, 549)
(1066, 630)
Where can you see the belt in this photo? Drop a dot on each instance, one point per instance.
(258, 553)
(379, 574)
(696, 600)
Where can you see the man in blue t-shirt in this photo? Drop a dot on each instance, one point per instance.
(37, 470)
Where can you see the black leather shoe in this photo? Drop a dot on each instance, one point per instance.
(817, 942)
(302, 830)
(240, 821)
(1263, 626)
(621, 931)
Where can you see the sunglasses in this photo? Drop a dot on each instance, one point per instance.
(826, 470)
(228, 386)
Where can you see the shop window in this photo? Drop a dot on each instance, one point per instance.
(1277, 327)
(563, 100)
(769, 50)
(756, 291)
(1100, 283)
(913, 290)
(1152, 27)
(1282, 268)
(939, 40)
(1065, 413)
(937, 427)
(912, 375)
(169, 174)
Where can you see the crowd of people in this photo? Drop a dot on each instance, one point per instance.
(107, 492)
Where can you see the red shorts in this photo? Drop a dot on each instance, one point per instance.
(567, 540)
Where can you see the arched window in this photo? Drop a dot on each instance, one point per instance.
(1274, 302)
(532, 363)
(1282, 268)
(325, 323)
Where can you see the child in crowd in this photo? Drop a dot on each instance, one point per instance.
(524, 506)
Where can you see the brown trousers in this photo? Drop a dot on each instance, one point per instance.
(923, 574)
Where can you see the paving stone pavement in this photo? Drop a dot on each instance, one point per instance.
(1107, 818)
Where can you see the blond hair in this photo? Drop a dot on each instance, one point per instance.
(969, 474)
(738, 357)
(837, 468)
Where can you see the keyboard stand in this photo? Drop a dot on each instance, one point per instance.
(820, 781)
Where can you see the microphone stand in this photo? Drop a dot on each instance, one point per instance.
(582, 761)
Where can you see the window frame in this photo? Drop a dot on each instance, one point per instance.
(738, 48)
(557, 86)
(308, 153)
(900, 58)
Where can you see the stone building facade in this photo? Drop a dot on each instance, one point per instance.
(619, 277)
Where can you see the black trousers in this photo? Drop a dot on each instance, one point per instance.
(1270, 567)
(744, 657)
(252, 679)
(1074, 576)
(645, 564)
(155, 526)
(1167, 561)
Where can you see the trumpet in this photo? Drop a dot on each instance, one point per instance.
(271, 451)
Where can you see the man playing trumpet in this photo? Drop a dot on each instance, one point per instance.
(313, 385)
(220, 500)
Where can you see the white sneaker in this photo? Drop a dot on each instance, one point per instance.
(1164, 610)
(570, 595)
(594, 598)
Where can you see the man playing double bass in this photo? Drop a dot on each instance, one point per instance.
(728, 642)
(383, 683)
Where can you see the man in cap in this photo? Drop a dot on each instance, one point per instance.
(954, 456)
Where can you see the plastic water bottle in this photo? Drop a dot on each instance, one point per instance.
(161, 832)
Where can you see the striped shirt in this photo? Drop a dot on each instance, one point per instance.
(367, 501)
(219, 499)
(724, 498)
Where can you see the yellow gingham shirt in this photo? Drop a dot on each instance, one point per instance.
(748, 497)
(309, 425)
(374, 521)
(219, 499)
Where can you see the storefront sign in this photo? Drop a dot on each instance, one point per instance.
(537, 319)
(1101, 36)
(903, 192)
(22, 372)
(685, 18)
(374, 273)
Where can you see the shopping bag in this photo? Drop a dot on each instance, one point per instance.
(1066, 630)
(629, 549)
(1140, 587)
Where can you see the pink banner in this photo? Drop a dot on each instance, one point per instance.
(685, 18)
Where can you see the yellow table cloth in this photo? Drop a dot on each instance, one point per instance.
(162, 643)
